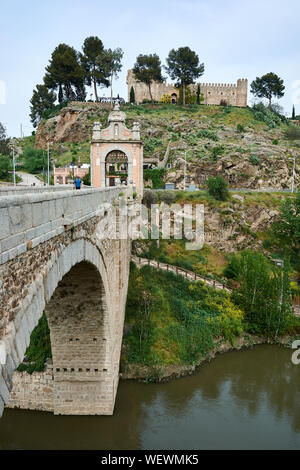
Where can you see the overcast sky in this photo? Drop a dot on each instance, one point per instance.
(234, 38)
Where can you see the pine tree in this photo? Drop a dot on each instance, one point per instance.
(64, 72)
(147, 69)
(183, 66)
(94, 62)
(267, 86)
(132, 96)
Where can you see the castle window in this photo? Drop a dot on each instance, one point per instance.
(116, 130)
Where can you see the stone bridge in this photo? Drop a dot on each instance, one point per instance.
(53, 260)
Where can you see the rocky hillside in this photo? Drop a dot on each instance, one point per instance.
(232, 142)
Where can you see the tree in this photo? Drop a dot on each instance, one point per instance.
(5, 166)
(293, 112)
(198, 94)
(113, 58)
(217, 187)
(4, 141)
(264, 294)
(64, 72)
(183, 66)
(94, 63)
(42, 100)
(33, 159)
(287, 230)
(148, 69)
(267, 86)
(132, 95)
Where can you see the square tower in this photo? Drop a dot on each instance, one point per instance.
(117, 153)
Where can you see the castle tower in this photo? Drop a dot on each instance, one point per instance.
(242, 90)
(116, 153)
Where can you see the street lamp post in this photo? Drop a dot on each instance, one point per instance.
(48, 156)
(14, 166)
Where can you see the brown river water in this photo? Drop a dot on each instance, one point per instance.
(241, 400)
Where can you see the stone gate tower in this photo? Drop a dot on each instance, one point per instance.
(117, 153)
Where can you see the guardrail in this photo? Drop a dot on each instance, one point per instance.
(191, 275)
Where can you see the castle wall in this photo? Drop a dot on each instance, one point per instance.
(213, 93)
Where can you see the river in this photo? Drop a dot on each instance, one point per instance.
(241, 400)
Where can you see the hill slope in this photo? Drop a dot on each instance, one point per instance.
(230, 141)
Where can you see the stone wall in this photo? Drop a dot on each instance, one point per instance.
(33, 392)
(213, 93)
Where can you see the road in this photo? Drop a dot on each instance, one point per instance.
(28, 179)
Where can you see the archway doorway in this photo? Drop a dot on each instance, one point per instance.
(116, 168)
(174, 98)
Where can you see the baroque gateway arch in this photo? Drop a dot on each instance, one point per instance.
(55, 259)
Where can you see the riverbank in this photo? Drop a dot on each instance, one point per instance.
(173, 371)
(36, 391)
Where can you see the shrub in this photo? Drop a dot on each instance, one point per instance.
(217, 187)
(207, 134)
(254, 160)
(151, 143)
(156, 176)
(150, 197)
(216, 151)
(166, 99)
(264, 114)
(167, 196)
(240, 128)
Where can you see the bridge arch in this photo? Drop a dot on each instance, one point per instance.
(85, 379)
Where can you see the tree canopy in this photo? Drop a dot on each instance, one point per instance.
(42, 100)
(4, 141)
(268, 86)
(66, 73)
(217, 187)
(184, 67)
(113, 58)
(263, 294)
(33, 160)
(148, 69)
(94, 62)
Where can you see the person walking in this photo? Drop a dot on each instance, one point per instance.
(77, 183)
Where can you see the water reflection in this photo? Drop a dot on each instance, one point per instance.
(247, 399)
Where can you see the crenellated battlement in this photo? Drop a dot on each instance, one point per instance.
(234, 94)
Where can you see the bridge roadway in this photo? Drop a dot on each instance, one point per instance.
(53, 259)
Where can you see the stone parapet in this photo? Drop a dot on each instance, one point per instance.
(33, 218)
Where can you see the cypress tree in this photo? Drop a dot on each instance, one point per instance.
(293, 112)
(132, 97)
(198, 94)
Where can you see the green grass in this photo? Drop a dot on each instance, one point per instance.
(173, 321)
(39, 349)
